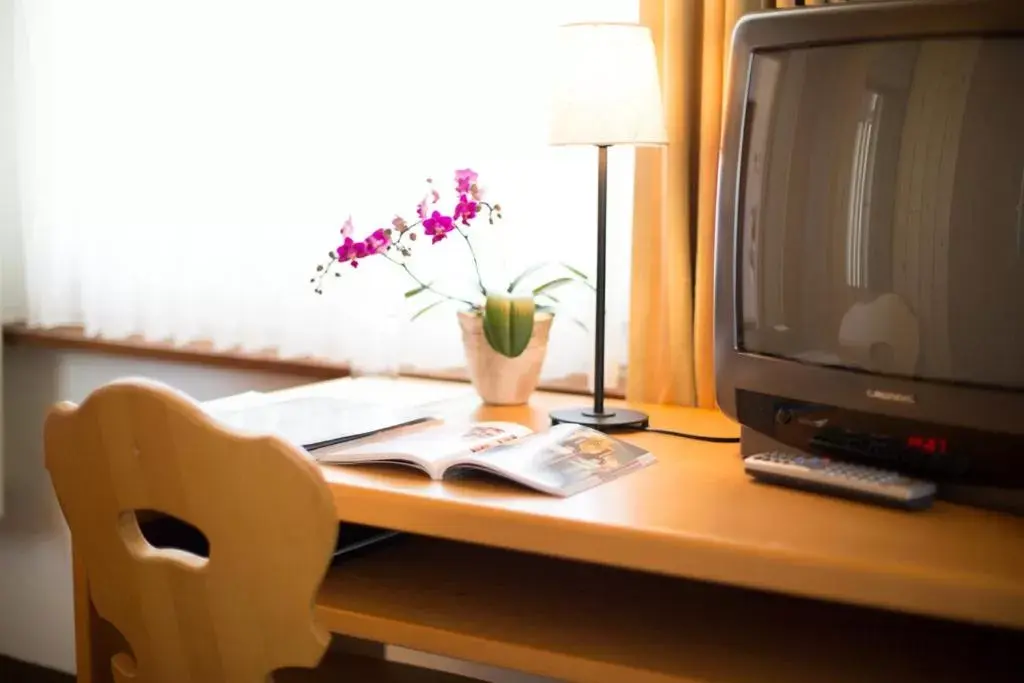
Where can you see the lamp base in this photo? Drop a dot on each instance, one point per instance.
(614, 420)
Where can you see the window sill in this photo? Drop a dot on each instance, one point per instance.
(573, 384)
(74, 339)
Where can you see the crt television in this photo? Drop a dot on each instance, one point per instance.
(869, 255)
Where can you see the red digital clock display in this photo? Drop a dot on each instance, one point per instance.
(927, 444)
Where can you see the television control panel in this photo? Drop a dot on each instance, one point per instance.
(936, 452)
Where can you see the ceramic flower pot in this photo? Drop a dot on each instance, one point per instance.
(498, 379)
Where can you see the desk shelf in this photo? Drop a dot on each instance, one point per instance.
(696, 515)
(582, 622)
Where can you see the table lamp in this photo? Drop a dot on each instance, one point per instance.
(606, 92)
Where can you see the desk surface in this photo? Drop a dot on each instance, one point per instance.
(595, 588)
(696, 515)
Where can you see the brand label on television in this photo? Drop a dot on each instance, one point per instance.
(892, 396)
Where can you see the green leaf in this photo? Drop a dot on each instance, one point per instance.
(538, 266)
(413, 292)
(581, 275)
(575, 271)
(551, 284)
(526, 273)
(523, 311)
(582, 325)
(423, 310)
(497, 311)
(508, 323)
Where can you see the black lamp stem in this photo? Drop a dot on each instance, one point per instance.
(602, 249)
(618, 418)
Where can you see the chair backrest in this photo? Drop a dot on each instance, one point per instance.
(136, 447)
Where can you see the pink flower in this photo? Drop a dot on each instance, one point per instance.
(465, 210)
(437, 227)
(351, 250)
(347, 227)
(464, 179)
(377, 242)
(348, 250)
(435, 196)
(436, 224)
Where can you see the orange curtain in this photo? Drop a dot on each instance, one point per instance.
(671, 355)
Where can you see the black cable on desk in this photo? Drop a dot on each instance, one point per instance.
(695, 437)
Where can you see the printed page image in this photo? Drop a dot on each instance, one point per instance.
(480, 437)
(567, 458)
(432, 445)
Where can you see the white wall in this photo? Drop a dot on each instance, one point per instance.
(36, 613)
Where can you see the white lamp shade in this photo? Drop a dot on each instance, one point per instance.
(606, 89)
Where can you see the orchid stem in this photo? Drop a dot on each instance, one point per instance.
(324, 272)
(407, 231)
(425, 285)
(476, 264)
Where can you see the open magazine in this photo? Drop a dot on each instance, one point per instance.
(562, 461)
(311, 421)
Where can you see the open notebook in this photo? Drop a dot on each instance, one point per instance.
(561, 461)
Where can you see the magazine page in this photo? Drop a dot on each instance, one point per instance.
(563, 461)
(431, 447)
(310, 422)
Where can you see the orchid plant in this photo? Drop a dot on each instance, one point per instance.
(508, 314)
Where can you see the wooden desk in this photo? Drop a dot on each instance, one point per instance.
(684, 571)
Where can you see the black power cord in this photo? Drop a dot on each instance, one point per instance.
(695, 437)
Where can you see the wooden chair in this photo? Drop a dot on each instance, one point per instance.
(136, 449)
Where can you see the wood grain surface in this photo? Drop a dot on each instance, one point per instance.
(580, 622)
(695, 514)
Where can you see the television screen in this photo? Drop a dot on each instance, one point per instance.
(881, 220)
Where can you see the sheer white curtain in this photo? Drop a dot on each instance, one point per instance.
(9, 252)
(184, 166)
